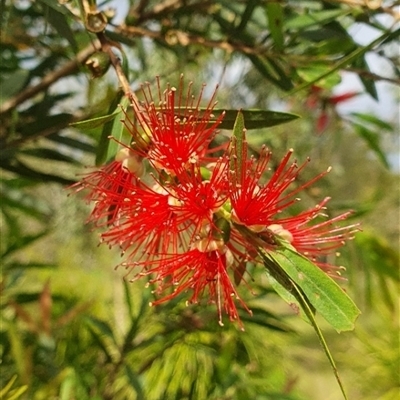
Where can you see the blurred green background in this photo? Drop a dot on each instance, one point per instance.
(71, 326)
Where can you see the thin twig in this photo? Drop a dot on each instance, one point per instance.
(107, 46)
(371, 75)
(185, 39)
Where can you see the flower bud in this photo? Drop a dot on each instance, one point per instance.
(98, 64)
(96, 21)
(280, 231)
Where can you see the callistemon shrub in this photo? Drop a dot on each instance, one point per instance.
(191, 214)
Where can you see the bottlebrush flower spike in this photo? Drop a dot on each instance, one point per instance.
(174, 132)
(149, 223)
(203, 270)
(108, 185)
(340, 98)
(318, 241)
(259, 208)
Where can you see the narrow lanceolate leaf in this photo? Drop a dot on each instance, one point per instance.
(323, 293)
(371, 119)
(238, 137)
(104, 142)
(255, 119)
(285, 292)
(372, 139)
(118, 133)
(58, 20)
(316, 18)
(271, 71)
(96, 122)
(275, 17)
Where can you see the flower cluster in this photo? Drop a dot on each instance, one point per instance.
(191, 214)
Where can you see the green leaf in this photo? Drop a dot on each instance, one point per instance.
(12, 83)
(7, 393)
(327, 33)
(128, 297)
(238, 138)
(24, 171)
(8, 386)
(368, 83)
(18, 351)
(103, 151)
(371, 119)
(98, 121)
(68, 384)
(246, 16)
(103, 327)
(71, 142)
(271, 71)
(22, 242)
(372, 139)
(135, 317)
(275, 18)
(255, 118)
(264, 318)
(383, 258)
(392, 36)
(286, 294)
(314, 18)
(118, 132)
(134, 381)
(18, 265)
(378, 265)
(49, 154)
(43, 123)
(13, 197)
(100, 343)
(16, 393)
(312, 72)
(322, 292)
(59, 22)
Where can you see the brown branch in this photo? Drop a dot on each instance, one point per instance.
(185, 39)
(371, 75)
(67, 69)
(138, 12)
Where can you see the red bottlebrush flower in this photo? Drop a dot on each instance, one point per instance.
(254, 204)
(340, 98)
(322, 122)
(203, 270)
(325, 102)
(149, 223)
(316, 240)
(175, 132)
(108, 185)
(259, 208)
(202, 192)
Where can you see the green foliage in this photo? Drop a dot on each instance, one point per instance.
(69, 332)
